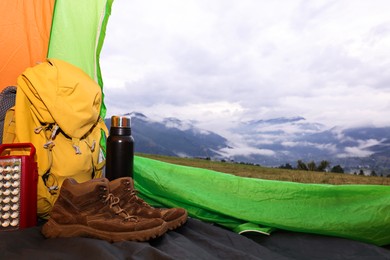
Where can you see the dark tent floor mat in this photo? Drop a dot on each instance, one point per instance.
(194, 240)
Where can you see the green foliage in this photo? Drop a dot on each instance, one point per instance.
(323, 166)
(286, 166)
(302, 166)
(337, 169)
(311, 166)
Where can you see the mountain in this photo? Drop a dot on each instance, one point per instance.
(173, 137)
(292, 139)
(271, 142)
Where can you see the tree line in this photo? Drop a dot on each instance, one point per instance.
(322, 166)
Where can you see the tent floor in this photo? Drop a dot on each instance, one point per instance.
(194, 240)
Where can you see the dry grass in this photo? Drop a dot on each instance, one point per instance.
(253, 171)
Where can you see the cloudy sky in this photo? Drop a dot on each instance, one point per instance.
(223, 61)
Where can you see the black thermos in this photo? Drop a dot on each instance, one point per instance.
(120, 149)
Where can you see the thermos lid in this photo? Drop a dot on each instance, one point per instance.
(120, 121)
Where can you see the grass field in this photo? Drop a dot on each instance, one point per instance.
(253, 171)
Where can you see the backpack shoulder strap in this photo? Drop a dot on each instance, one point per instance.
(9, 131)
(7, 101)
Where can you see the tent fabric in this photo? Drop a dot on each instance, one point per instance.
(24, 36)
(70, 30)
(359, 212)
(78, 33)
(194, 240)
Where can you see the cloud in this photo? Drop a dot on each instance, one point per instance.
(245, 151)
(222, 62)
(361, 150)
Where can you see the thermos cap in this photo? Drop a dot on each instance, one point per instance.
(120, 121)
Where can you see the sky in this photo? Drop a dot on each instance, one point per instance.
(219, 62)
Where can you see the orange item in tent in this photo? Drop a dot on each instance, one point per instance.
(24, 36)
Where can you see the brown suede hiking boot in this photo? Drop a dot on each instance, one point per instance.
(89, 209)
(123, 188)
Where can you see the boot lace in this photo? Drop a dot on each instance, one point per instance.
(138, 200)
(113, 204)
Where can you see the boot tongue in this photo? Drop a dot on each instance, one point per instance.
(131, 183)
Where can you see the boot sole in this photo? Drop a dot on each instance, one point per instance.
(51, 229)
(171, 225)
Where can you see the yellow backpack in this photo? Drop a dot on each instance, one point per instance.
(57, 110)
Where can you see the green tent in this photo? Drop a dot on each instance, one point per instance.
(359, 212)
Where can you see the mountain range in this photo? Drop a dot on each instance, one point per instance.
(271, 142)
(173, 137)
